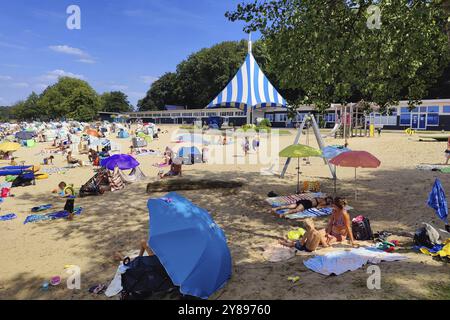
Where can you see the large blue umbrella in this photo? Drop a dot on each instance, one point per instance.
(190, 245)
(438, 201)
(331, 152)
(123, 161)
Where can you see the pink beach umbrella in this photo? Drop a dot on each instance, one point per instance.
(356, 159)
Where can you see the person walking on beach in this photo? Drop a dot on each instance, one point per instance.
(69, 193)
(447, 152)
(246, 146)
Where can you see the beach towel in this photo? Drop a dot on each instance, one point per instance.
(340, 262)
(310, 213)
(433, 167)
(276, 253)
(51, 216)
(41, 208)
(161, 165)
(8, 217)
(291, 199)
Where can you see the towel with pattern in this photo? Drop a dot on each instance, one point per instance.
(51, 216)
(291, 199)
(310, 213)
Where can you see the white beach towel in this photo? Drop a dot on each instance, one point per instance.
(342, 261)
(276, 253)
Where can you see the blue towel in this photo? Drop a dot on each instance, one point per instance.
(310, 213)
(8, 217)
(51, 216)
(438, 201)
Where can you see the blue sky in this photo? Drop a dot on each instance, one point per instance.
(122, 45)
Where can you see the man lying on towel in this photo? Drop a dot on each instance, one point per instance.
(302, 205)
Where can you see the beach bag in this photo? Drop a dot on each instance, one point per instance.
(5, 192)
(426, 236)
(361, 229)
(144, 277)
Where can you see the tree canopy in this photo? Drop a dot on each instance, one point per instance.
(69, 98)
(328, 49)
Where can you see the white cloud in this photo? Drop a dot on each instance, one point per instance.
(65, 49)
(88, 61)
(149, 79)
(55, 74)
(69, 50)
(4, 78)
(20, 85)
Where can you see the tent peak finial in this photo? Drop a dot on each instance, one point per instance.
(249, 42)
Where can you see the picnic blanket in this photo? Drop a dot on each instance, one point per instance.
(342, 261)
(291, 199)
(51, 216)
(8, 217)
(53, 170)
(310, 213)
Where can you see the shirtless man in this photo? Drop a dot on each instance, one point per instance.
(310, 241)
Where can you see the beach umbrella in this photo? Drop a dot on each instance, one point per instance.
(93, 133)
(299, 151)
(9, 146)
(356, 159)
(25, 135)
(331, 152)
(438, 201)
(122, 161)
(190, 245)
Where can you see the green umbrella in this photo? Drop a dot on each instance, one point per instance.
(299, 151)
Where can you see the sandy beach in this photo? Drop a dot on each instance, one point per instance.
(393, 197)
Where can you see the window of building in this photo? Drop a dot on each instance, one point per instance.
(281, 117)
(405, 110)
(433, 119)
(423, 109)
(433, 109)
(405, 119)
(446, 109)
(270, 117)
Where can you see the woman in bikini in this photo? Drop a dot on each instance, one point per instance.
(340, 227)
(302, 205)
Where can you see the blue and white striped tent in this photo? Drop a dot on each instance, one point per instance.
(249, 88)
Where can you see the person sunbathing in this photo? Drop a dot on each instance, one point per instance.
(310, 241)
(339, 227)
(302, 205)
(72, 160)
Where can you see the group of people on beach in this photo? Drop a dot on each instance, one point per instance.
(339, 227)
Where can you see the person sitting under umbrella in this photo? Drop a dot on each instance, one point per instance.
(302, 205)
(143, 247)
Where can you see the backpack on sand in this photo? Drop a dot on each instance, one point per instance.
(361, 229)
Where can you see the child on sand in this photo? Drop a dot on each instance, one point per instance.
(310, 241)
(48, 160)
(69, 193)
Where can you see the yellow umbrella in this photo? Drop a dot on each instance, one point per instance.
(9, 146)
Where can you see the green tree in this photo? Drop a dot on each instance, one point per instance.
(115, 101)
(28, 109)
(162, 92)
(59, 100)
(82, 104)
(326, 49)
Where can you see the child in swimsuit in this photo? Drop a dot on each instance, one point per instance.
(310, 241)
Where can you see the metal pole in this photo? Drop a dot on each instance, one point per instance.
(356, 188)
(298, 177)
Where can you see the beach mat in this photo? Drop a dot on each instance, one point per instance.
(8, 217)
(291, 199)
(51, 216)
(310, 213)
(42, 208)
